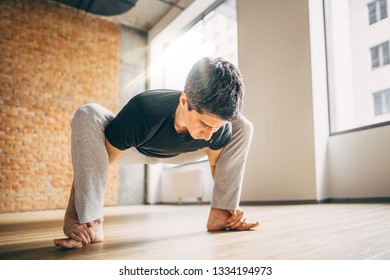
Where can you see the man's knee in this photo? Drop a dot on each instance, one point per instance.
(92, 114)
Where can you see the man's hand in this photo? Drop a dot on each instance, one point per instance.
(80, 235)
(238, 221)
(220, 219)
(80, 232)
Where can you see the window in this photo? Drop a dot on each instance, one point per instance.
(382, 102)
(377, 10)
(211, 32)
(380, 55)
(358, 64)
(214, 35)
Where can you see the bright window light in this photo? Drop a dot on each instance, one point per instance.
(215, 35)
(357, 36)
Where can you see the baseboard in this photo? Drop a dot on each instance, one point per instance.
(277, 202)
(357, 200)
(295, 202)
(327, 200)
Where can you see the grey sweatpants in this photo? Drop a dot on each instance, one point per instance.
(90, 162)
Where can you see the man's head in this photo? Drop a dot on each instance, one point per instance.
(215, 87)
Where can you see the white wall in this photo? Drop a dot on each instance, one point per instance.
(187, 182)
(282, 58)
(320, 97)
(290, 159)
(132, 76)
(360, 164)
(274, 57)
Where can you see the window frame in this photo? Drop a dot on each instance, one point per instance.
(384, 97)
(378, 9)
(356, 129)
(382, 58)
(201, 17)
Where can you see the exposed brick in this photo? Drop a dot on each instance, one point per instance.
(53, 60)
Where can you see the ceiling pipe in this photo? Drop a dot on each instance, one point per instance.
(101, 7)
(173, 4)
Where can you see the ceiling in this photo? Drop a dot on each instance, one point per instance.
(138, 14)
(146, 13)
(101, 7)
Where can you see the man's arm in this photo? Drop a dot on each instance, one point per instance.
(113, 153)
(220, 218)
(213, 156)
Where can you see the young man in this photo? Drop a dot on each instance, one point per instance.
(163, 126)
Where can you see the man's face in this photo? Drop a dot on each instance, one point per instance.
(200, 126)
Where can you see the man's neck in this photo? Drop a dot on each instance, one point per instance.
(179, 123)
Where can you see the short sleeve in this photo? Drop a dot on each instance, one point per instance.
(222, 137)
(128, 129)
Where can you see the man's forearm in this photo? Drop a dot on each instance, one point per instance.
(212, 167)
(113, 153)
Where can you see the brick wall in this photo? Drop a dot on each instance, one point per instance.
(53, 59)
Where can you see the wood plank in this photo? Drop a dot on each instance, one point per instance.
(315, 231)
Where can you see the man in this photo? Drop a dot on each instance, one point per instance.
(163, 126)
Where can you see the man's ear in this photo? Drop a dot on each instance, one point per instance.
(183, 99)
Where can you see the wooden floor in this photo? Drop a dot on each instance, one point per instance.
(316, 232)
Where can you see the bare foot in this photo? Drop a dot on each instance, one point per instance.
(79, 234)
(68, 243)
(220, 219)
(94, 232)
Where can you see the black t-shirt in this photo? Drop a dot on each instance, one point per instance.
(147, 123)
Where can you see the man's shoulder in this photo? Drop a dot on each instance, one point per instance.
(221, 137)
(156, 105)
(159, 97)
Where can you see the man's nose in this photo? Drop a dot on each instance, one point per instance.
(207, 133)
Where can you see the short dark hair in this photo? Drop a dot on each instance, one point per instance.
(215, 87)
